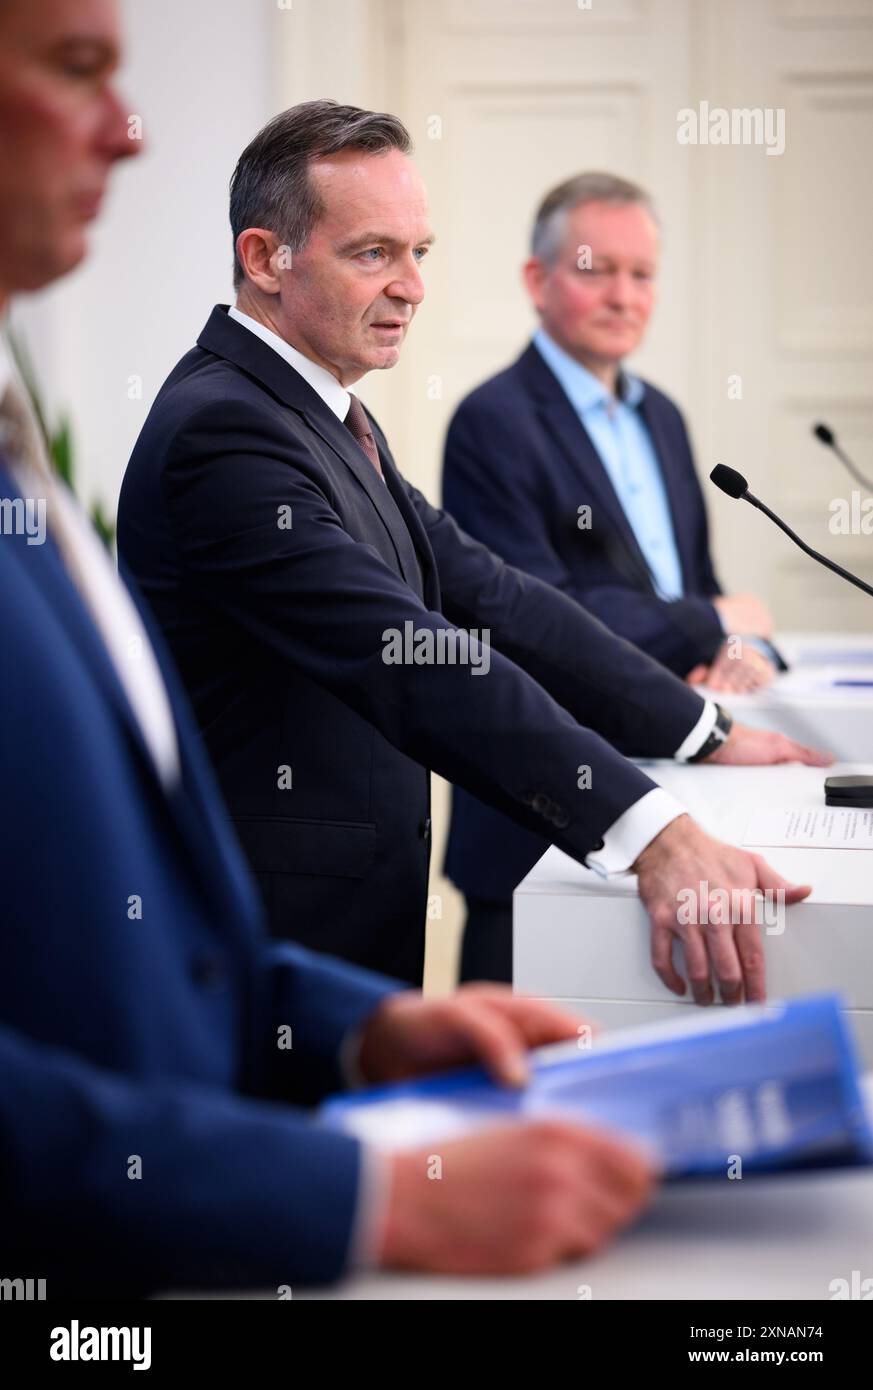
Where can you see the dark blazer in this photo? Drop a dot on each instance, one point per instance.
(518, 465)
(280, 630)
(153, 1037)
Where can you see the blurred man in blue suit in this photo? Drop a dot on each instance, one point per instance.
(156, 1049)
(574, 470)
(581, 473)
(340, 636)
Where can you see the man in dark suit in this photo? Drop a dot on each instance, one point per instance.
(581, 474)
(320, 608)
(157, 1050)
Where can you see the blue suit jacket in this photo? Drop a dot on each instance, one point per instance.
(277, 562)
(155, 1037)
(518, 465)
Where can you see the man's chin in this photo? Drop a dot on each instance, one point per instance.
(615, 346)
(383, 359)
(56, 261)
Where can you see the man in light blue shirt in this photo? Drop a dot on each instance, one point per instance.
(575, 470)
(625, 447)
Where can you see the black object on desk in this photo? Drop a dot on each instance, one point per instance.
(849, 791)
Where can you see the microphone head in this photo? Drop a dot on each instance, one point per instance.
(729, 480)
(825, 434)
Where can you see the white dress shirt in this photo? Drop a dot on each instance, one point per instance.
(627, 837)
(335, 397)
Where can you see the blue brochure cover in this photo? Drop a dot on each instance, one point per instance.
(773, 1086)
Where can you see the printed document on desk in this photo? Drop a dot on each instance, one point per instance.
(812, 827)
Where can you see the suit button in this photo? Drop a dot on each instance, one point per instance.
(540, 803)
(560, 820)
(596, 847)
(424, 829)
(208, 971)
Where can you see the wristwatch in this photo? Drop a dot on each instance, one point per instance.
(720, 730)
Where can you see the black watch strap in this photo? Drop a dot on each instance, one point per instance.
(720, 730)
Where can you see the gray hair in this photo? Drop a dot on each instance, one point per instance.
(270, 186)
(551, 218)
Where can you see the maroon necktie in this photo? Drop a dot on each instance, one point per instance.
(358, 426)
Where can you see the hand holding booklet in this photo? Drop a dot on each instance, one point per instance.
(776, 1087)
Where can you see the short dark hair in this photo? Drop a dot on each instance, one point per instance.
(271, 187)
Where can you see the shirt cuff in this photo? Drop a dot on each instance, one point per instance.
(693, 742)
(374, 1177)
(626, 838)
(371, 1209)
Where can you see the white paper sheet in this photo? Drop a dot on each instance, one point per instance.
(820, 827)
(841, 681)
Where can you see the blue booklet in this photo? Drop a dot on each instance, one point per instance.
(752, 1089)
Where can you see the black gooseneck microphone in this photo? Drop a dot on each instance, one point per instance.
(826, 436)
(735, 485)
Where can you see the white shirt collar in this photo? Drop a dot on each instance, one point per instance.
(583, 387)
(335, 397)
(6, 367)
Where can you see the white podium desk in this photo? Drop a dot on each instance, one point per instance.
(583, 941)
(768, 1238)
(806, 704)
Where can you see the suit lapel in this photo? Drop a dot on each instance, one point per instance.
(46, 570)
(426, 584)
(189, 809)
(564, 427)
(231, 340)
(383, 495)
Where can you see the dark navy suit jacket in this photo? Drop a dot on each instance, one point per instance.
(518, 465)
(152, 1037)
(278, 564)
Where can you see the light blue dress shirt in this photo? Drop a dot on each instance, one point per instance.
(626, 451)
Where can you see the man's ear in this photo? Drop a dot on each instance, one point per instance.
(262, 258)
(533, 273)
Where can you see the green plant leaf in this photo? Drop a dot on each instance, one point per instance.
(61, 451)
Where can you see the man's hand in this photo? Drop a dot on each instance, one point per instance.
(409, 1035)
(740, 672)
(744, 613)
(746, 747)
(707, 894)
(512, 1199)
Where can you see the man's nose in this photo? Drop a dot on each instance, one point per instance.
(120, 130)
(409, 286)
(621, 288)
